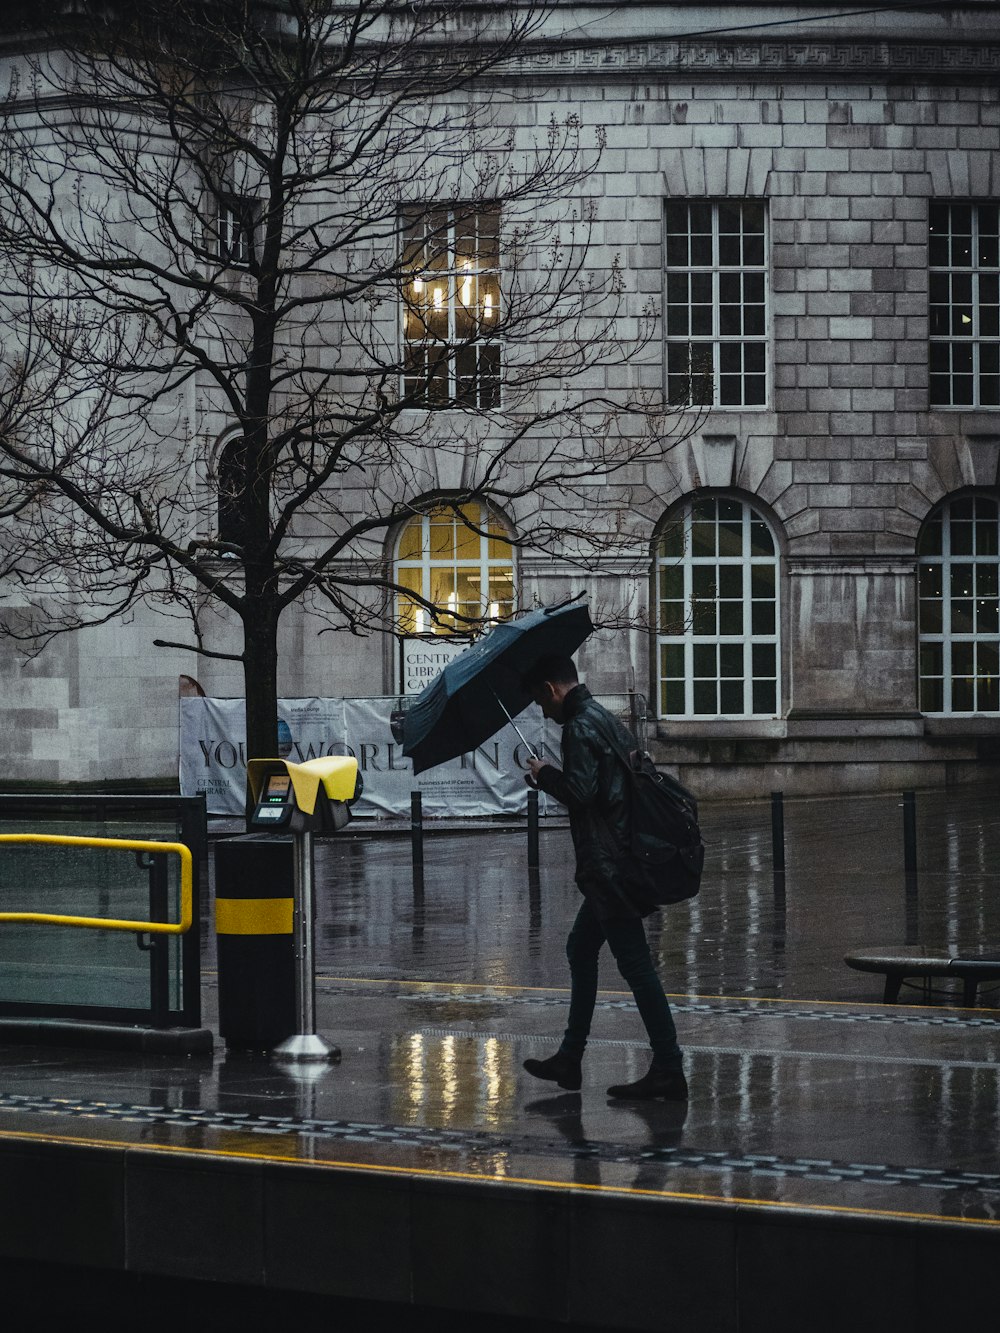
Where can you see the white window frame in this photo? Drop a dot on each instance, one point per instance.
(951, 563)
(965, 331)
(687, 635)
(716, 339)
(427, 563)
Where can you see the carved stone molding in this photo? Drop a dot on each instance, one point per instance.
(765, 57)
(837, 566)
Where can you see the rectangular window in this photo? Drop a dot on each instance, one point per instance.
(716, 303)
(959, 607)
(451, 306)
(717, 572)
(236, 227)
(964, 279)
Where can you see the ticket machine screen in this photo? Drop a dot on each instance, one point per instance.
(278, 785)
(276, 803)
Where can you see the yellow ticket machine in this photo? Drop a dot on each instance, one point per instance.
(314, 797)
(265, 904)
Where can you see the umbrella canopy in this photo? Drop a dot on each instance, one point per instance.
(464, 705)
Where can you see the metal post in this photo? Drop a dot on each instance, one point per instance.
(417, 830)
(910, 866)
(532, 829)
(159, 960)
(778, 841)
(157, 948)
(910, 832)
(305, 1044)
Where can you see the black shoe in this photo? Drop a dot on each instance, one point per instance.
(659, 1082)
(559, 1068)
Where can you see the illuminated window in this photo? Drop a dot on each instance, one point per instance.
(964, 259)
(716, 303)
(451, 307)
(717, 627)
(959, 616)
(460, 560)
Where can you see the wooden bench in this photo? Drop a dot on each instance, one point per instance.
(972, 967)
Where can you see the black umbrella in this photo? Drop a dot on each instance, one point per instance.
(480, 691)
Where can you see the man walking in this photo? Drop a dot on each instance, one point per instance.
(594, 787)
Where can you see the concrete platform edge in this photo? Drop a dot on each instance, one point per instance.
(521, 1250)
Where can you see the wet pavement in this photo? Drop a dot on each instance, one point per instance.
(480, 916)
(809, 1098)
(803, 1105)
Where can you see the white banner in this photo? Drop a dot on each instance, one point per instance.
(422, 659)
(487, 781)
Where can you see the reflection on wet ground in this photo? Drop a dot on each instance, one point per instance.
(801, 1105)
(805, 1092)
(479, 915)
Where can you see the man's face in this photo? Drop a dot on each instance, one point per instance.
(549, 700)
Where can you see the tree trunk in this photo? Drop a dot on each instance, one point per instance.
(260, 671)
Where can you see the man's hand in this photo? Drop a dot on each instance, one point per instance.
(534, 768)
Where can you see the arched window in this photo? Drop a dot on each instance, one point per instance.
(460, 560)
(232, 484)
(717, 618)
(959, 615)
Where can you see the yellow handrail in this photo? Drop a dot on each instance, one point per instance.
(103, 923)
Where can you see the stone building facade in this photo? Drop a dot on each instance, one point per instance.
(813, 203)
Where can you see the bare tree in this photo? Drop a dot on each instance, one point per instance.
(331, 237)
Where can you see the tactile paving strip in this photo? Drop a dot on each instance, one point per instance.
(736, 1010)
(476, 1142)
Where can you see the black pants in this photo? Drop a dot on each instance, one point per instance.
(626, 938)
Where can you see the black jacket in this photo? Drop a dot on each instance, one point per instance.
(594, 788)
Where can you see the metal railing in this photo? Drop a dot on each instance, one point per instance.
(180, 927)
(77, 877)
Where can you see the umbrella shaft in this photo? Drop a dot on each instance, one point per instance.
(524, 740)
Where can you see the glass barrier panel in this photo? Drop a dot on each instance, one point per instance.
(55, 969)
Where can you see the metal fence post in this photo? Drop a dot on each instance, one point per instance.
(533, 829)
(159, 979)
(305, 1045)
(778, 841)
(910, 866)
(910, 833)
(417, 835)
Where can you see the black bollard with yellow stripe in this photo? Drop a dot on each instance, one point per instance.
(254, 911)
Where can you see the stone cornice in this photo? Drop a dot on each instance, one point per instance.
(763, 58)
(811, 566)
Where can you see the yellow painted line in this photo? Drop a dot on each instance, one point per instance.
(452, 985)
(108, 923)
(254, 916)
(687, 1196)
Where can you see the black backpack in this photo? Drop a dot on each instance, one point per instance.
(666, 856)
(667, 849)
